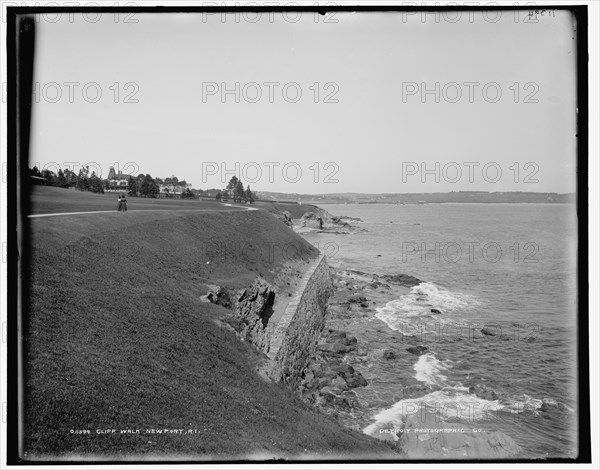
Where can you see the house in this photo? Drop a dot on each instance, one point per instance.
(173, 190)
(117, 182)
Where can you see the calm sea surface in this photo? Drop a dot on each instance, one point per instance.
(509, 267)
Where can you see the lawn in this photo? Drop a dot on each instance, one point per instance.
(48, 199)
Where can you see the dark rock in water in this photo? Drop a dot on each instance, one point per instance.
(357, 299)
(488, 332)
(545, 407)
(435, 310)
(356, 380)
(402, 279)
(418, 350)
(340, 383)
(359, 273)
(350, 397)
(530, 339)
(549, 404)
(364, 304)
(389, 354)
(482, 391)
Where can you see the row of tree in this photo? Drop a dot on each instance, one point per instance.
(146, 186)
(235, 190)
(139, 186)
(142, 186)
(82, 181)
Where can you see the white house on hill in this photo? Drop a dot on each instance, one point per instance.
(117, 182)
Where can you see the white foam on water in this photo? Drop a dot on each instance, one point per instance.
(521, 403)
(429, 370)
(401, 314)
(452, 401)
(449, 403)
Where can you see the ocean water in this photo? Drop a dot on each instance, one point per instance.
(511, 268)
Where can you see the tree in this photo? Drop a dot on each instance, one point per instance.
(238, 193)
(139, 180)
(172, 180)
(248, 195)
(95, 184)
(188, 194)
(61, 180)
(218, 196)
(232, 185)
(82, 179)
(71, 178)
(148, 187)
(132, 185)
(50, 177)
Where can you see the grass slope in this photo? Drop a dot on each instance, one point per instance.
(117, 339)
(48, 199)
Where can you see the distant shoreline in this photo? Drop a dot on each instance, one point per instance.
(474, 197)
(317, 203)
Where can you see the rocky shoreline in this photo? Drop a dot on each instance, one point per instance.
(331, 381)
(321, 221)
(356, 351)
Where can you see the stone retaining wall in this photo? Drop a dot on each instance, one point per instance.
(294, 338)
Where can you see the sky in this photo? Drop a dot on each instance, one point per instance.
(352, 102)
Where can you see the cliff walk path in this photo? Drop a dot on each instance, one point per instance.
(58, 214)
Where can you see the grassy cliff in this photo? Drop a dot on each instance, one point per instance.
(116, 338)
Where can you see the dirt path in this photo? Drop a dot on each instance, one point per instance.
(56, 214)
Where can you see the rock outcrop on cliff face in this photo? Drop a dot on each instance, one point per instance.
(312, 220)
(217, 295)
(255, 307)
(286, 218)
(321, 220)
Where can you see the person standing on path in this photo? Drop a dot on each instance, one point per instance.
(123, 203)
(120, 204)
